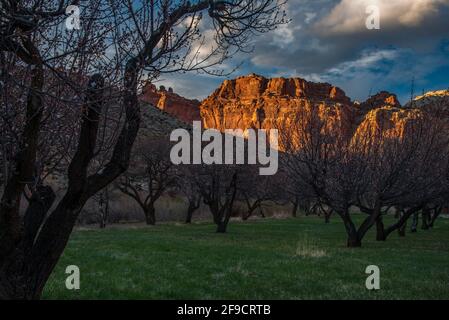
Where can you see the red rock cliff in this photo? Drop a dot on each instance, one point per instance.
(179, 107)
(257, 102)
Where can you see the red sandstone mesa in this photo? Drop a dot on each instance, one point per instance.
(257, 102)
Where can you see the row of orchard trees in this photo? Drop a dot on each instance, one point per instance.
(152, 175)
(397, 158)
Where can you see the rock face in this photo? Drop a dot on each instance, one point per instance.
(255, 102)
(379, 100)
(166, 100)
(434, 102)
(386, 122)
(260, 103)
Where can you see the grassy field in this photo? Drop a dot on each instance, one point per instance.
(264, 259)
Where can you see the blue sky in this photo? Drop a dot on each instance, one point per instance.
(327, 41)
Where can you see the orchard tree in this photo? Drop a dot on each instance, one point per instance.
(377, 169)
(319, 159)
(321, 166)
(187, 186)
(102, 62)
(218, 187)
(150, 176)
(423, 184)
(256, 191)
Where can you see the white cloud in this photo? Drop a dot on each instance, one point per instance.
(284, 35)
(368, 59)
(349, 70)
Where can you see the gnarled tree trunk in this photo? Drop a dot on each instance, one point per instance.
(353, 240)
(380, 229)
(414, 226)
(150, 214)
(24, 270)
(425, 219)
(104, 208)
(295, 207)
(402, 230)
(436, 214)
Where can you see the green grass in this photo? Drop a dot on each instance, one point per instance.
(265, 259)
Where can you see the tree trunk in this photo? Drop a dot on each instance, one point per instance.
(104, 208)
(327, 215)
(372, 219)
(261, 212)
(435, 215)
(5, 174)
(57, 228)
(14, 282)
(16, 272)
(193, 206)
(295, 208)
(11, 224)
(40, 203)
(17, 233)
(380, 229)
(189, 215)
(353, 240)
(425, 218)
(226, 211)
(102, 222)
(355, 235)
(223, 224)
(402, 230)
(401, 224)
(400, 215)
(150, 215)
(221, 227)
(414, 226)
(249, 213)
(25, 271)
(214, 208)
(305, 206)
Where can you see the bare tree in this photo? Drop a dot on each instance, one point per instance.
(256, 191)
(151, 175)
(217, 185)
(194, 204)
(319, 161)
(188, 187)
(376, 169)
(418, 181)
(118, 42)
